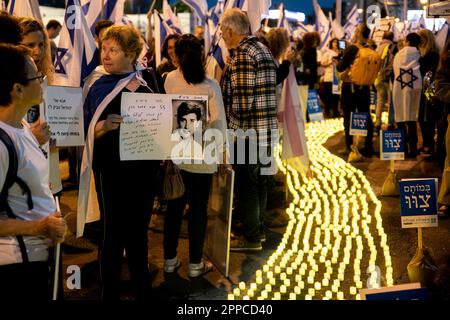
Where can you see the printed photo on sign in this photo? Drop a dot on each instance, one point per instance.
(314, 111)
(147, 126)
(418, 202)
(64, 115)
(392, 145)
(190, 116)
(359, 123)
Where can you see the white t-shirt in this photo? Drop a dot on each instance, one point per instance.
(33, 170)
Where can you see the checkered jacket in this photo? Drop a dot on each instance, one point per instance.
(249, 87)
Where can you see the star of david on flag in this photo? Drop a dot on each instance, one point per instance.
(405, 83)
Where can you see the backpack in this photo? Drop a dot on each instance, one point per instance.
(386, 69)
(11, 178)
(364, 69)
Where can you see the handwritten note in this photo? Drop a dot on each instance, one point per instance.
(64, 114)
(147, 126)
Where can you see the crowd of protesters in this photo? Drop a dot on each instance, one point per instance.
(246, 98)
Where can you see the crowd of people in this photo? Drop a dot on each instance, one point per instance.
(247, 98)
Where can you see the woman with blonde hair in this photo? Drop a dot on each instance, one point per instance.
(34, 37)
(278, 43)
(429, 112)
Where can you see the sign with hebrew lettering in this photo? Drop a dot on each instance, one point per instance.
(418, 203)
(145, 133)
(163, 126)
(64, 115)
(392, 145)
(314, 110)
(359, 124)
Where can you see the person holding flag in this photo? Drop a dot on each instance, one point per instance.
(125, 189)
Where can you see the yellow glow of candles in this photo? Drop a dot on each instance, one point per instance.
(242, 285)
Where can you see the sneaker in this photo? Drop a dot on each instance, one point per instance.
(170, 265)
(199, 269)
(240, 244)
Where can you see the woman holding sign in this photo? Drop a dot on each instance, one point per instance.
(125, 189)
(190, 78)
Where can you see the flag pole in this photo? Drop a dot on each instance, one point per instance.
(57, 258)
(103, 9)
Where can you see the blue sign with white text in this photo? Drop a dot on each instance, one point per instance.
(392, 145)
(359, 123)
(418, 202)
(412, 294)
(313, 106)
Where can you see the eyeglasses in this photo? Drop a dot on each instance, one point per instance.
(40, 77)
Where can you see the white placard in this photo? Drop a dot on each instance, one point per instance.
(64, 114)
(147, 126)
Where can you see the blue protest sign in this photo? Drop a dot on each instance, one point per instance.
(392, 145)
(418, 203)
(336, 88)
(359, 124)
(314, 110)
(395, 293)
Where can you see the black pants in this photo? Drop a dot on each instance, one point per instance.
(125, 193)
(329, 99)
(197, 187)
(410, 130)
(24, 282)
(356, 99)
(428, 116)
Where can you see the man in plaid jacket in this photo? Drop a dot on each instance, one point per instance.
(249, 93)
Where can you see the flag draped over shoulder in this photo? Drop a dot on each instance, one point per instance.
(25, 8)
(200, 9)
(290, 115)
(76, 55)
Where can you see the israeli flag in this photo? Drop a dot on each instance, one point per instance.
(25, 8)
(200, 9)
(171, 19)
(162, 30)
(352, 22)
(76, 56)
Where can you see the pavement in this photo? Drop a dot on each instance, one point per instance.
(402, 243)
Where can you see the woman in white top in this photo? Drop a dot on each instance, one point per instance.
(190, 79)
(330, 100)
(23, 271)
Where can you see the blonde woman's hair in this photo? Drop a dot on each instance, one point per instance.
(127, 37)
(236, 20)
(32, 25)
(428, 42)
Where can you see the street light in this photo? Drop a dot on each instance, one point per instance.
(360, 10)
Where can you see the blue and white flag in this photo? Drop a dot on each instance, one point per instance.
(352, 22)
(171, 19)
(200, 9)
(255, 11)
(25, 8)
(323, 25)
(112, 10)
(76, 56)
(162, 30)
